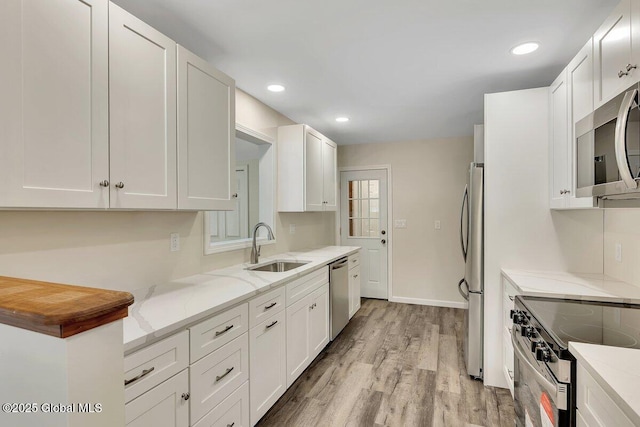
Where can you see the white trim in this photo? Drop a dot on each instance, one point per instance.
(252, 135)
(389, 230)
(433, 302)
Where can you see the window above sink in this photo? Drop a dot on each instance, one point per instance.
(255, 202)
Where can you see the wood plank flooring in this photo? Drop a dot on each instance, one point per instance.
(393, 365)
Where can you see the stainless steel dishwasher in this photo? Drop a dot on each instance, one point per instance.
(339, 295)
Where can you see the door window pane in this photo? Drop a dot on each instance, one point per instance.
(364, 208)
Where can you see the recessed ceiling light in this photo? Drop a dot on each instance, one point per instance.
(342, 119)
(524, 48)
(275, 88)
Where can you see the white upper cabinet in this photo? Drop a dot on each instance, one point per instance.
(307, 170)
(559, 141)
(206, 135)
(142, 86)
(615, 66)
(54, 103)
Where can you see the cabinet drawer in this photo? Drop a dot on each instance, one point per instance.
(232, 411)
(303, 286)
(215, 376)
(354, 260)
(215, 332)
(154, 364)
(161, 406)
(596, 407)
(265, 305)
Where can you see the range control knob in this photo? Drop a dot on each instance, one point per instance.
(518, 317)
(529, 331)
(543, 354)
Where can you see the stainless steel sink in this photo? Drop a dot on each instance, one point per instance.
(278, 266)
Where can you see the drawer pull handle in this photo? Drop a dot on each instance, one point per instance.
(227, 329)
(219, 377)
(272, 324)
(273, 304)
(186, 396)
(512, 297)
(355, 276)
(232, 424)
(144, 373)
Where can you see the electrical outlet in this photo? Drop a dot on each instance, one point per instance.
(292, 229)
(175, 242)
(618, 252)
(438, 225)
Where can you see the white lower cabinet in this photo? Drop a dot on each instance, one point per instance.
(267, 364)
(307, 331)
(595, 406)
(162, 406)
(216, 375)
(354, 290)
(509, 293)
(233, 411)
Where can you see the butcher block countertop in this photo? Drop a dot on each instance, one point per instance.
(59, 310)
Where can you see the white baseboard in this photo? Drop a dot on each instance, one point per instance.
(435, 302)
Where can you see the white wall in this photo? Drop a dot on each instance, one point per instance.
(520, 230)
(428, 179)
(129, 250)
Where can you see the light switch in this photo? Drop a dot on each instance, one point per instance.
(400, 223)
(175, 242)
(437, 224)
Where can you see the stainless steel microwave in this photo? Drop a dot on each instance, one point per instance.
(608, 149)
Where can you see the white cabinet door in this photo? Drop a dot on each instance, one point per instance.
(612, 55)
(580, 86)
(267, 364)
(329, 174)
(142, 87)
(314, 181)
(206, 135)
(162, 406)
(319, 321)
(298, 355)
(354, 290)
(54, 103)
(559, 142)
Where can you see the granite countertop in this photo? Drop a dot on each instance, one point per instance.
(161, 309)
(573, 285)
(616, 370)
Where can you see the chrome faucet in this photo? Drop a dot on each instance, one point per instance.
(255, 249)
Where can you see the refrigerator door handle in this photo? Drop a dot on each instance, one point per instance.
(464, 295)
(465, 201)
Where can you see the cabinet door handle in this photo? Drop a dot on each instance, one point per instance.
(219, 377)
(511, 297)
(270, 306)
(224, 331)
(104, 183)
(630, 67)
(144, 373)
(232, 424)
(272, 324)
(510, 372)
(186, 396)
(234, 195)
(355, 276)
(120, 185)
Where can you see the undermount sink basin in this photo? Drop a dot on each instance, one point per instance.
(279, 266)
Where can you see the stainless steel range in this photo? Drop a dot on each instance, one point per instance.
(545, 371)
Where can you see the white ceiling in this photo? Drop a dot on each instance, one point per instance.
(401, 70)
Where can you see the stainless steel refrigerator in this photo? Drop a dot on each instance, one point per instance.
(471, 287)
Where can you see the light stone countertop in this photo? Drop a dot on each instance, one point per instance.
(161, 309)
(616, 370)
(580, 286)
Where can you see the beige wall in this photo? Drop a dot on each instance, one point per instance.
(128, 250)
(428, 179)
(622, 226)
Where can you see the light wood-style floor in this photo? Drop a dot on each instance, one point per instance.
(393, 365)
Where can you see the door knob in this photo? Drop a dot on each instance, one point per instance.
(383, 241)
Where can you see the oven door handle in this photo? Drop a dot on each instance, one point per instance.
(621, 136)
(541, 379)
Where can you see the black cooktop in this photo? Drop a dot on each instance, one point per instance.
(594, 322)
